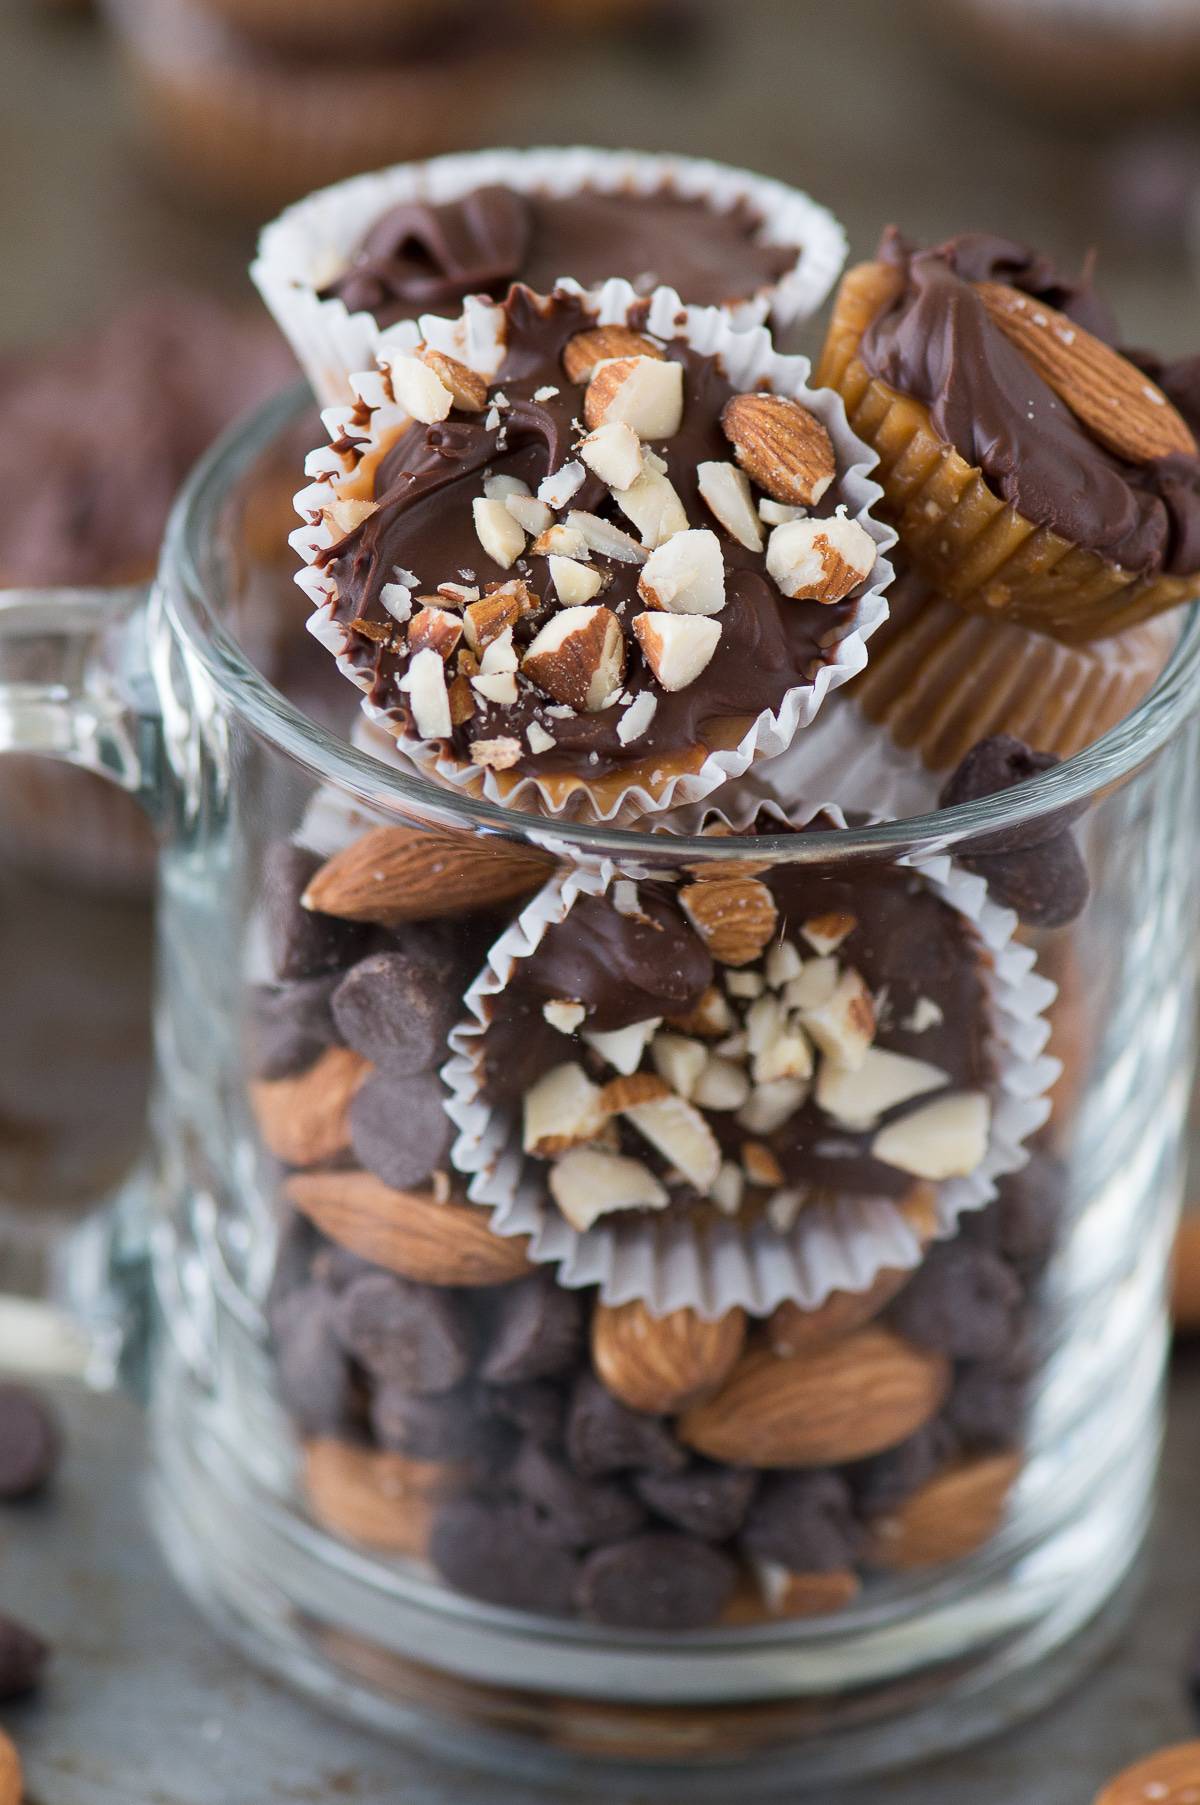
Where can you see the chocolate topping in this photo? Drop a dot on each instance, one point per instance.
(425, 486)
(909, 946)
(936, 342)
(422, 256)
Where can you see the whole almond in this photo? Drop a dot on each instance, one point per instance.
(601, 344)
(662, 1363)
(860, 1395)
(1168, 1777)
(12, 1778)
(305, 1121)
(1119, 405)
(409, 1232)
(951, 1515)
(791, 1330)
(735, 917)
(397, 874)
(781, 447)
(381, 1499)
(468, 387)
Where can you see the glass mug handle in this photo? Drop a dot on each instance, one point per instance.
(75, 685)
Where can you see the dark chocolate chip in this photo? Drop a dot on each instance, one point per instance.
(312, 1368)
(962, 1300)
(537, 1332)
(803, 1520)
(397, 1009)
(303, 942)
(661, 1580)
(399, 1129)
(336, 1267)
(987, 1406)
(499, 1553)
(427, 1428)
(29, 1443)
(707, 1500)
(298, 1247)
(999, 763)
(291, 1025)
(537, 1408)
(882, 1483)
(1046, 885)
(1022, 1221)
(412, 1335)
(579, 1513)
(605, 1436)
(23, 1655)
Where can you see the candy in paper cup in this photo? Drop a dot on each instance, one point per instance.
(694, 744)
(712, 1262)
(312, 243)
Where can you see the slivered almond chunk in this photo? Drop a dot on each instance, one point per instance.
(501, 537)
(587, 1184)
(601, 343)
(645, 393)
(578, 657)
(614, 453)
(881, 1082)
(726, 489)
(681, 1135)
(654, 507)
(677, 646)
(602, 537)
(820, 560)
(945, 1139)
(424, 682)
(562, 1110)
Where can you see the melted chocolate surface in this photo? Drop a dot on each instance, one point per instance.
(425, 486)
(908, 945)
(936, 342)
(422, 256)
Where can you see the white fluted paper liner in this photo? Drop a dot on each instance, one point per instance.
(841, 1246)
(749, 361)
(312, 243)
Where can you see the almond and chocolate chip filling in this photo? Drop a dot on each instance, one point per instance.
(424, 256)
(601, 557)
(750, 1043)
(1018, 368)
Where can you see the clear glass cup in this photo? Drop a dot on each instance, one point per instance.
(283, 1511)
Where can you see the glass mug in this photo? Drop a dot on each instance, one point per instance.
(310, 1454)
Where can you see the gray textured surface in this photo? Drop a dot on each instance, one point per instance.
(145, 1707)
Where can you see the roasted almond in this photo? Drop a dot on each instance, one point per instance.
(1168, 1777)
(467, 386)
(380, 1499)
(781, 447)
(578, 658)
(951, 1515)
(735, 917)
(791, 1330)
(662, 1363)
(1117, 403)
(12, 1778)
(860, 1395)
(305, 1121)
(397, 874)
(601, 343)
(409, 1232)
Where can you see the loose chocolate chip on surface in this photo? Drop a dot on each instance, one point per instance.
(303, 942)
(23, 1655)
(660, 1580)
(29, 1442)
(414, 1335)
(397, 1009)
(399, 1129)
(579, 1513)
(498, 1553)
(707, 1500)
(962, 1300)
(312, 1368)
(803, 1520)
(291, 1026)
(537, 1333)
(446, 1427)
(605, 1436)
